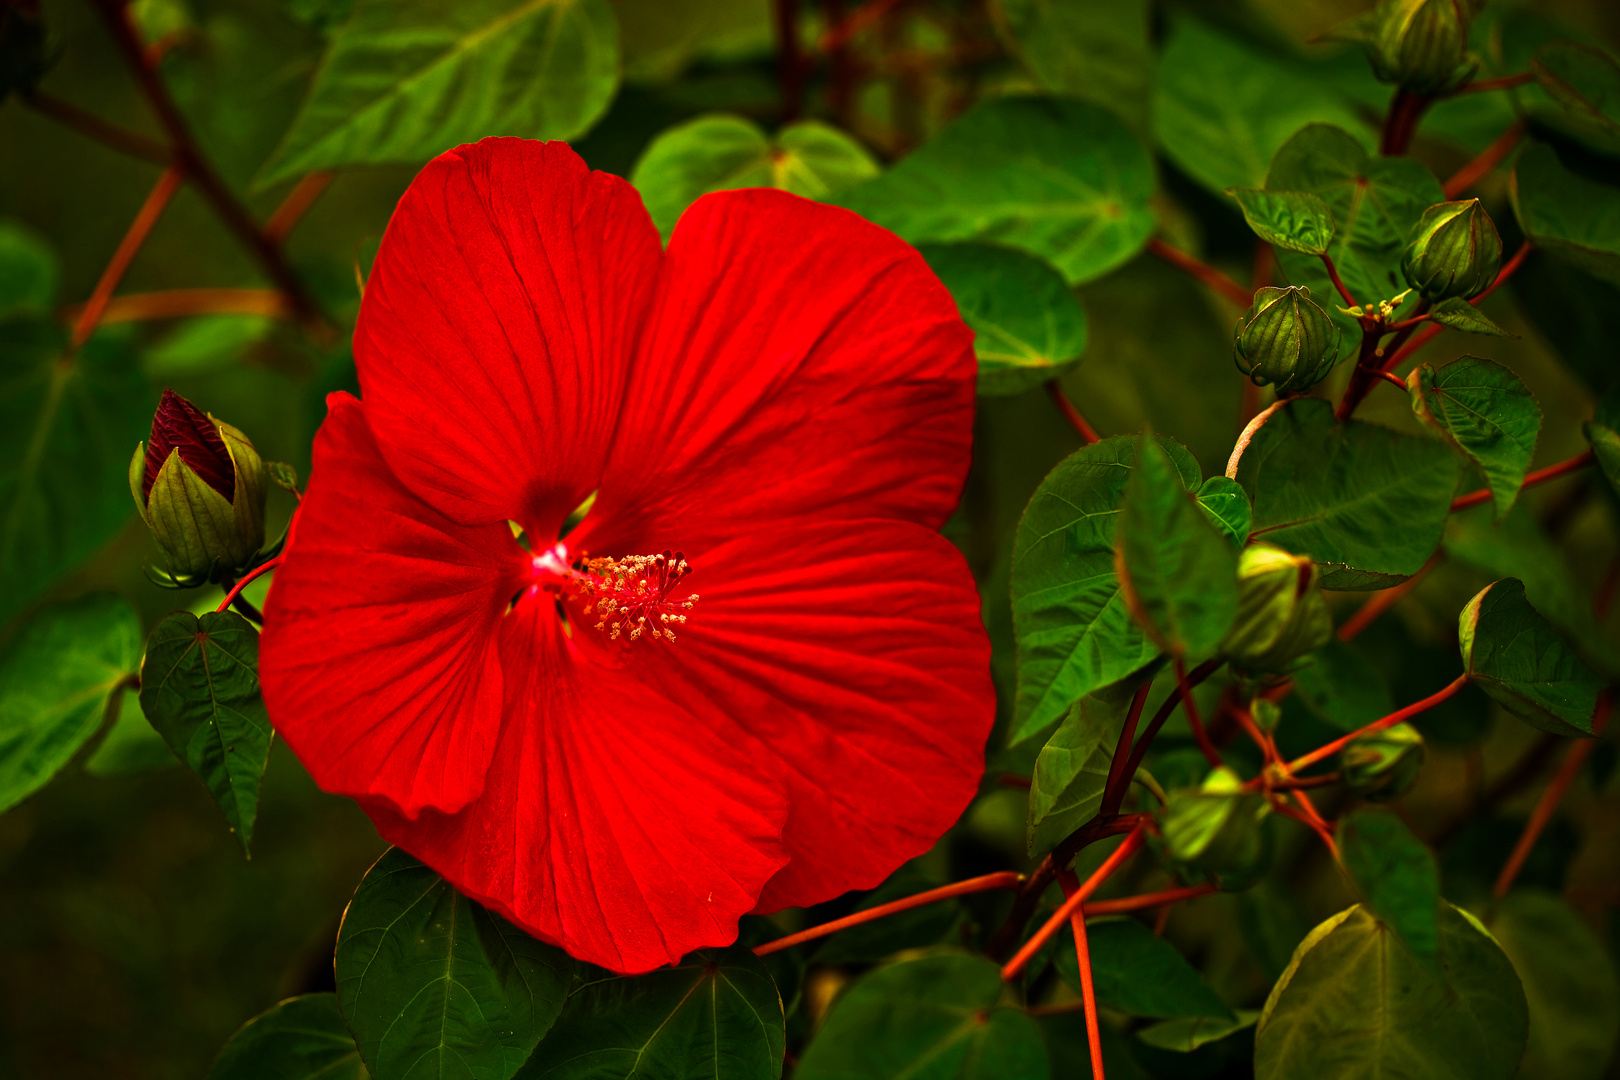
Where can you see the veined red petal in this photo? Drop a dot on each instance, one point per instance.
(379, 658)
(497, 329)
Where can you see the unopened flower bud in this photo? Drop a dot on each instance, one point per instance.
(200, 487)
(1421, 45)
(1383, 765)
(1454, 251)
(1281, 613)
(1285, 340)
(1218, 830)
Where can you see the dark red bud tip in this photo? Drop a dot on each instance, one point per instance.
(180, 425)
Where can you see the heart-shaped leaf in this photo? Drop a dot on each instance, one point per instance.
(303, 1038)
(1516, 656)
(1487, 412)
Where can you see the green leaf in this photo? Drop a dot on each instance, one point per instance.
(28, 272)
(1374, 200)
(1188, 1033)
(1396, 873)
(719, 152)
(68, 425)
(1059, 178)
(1027, 324)
(1139, 973)
(1342, 687)
(1227, 139)
(303, 1038)
(57, 679)
(717, 1016)
(1071, 770)
(1099, 52)
(1073, 629)
(1515, 545)
(1366, 503)
(200, 689)
(132, 745)
(1484, 410)
(1512, 652)
(1569, 981)
(931, 1018)
(432, 985)
(1574, 216)
(1178, 572)
(1355, 1003)
(1569, 309)
(1459, 314)
(1226, 504)
(661, 38)
(1606, 448)
(1292, 220)
(1585, 81)
(205, 344)
(403, 80)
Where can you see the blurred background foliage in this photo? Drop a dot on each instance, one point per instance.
(134, 938)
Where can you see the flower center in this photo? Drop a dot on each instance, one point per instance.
(633, 595)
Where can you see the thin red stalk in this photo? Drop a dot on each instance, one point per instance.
(1183, 690)
(152, 209)
(177, 303)
(839, 34)
(1202, 271)
(1118, 780)
(1087, 433)
(1319, 829)
(1400, 124)
(1128, 904)
(1013, 780)
(1556, 789)
(1540, 476)
(298, 200)
(1394, 380)
(1324, 752)
(1381, 602)
(1196, 722)
(1338, 282)
(1265, 264)
(1252, 730)
(1006, 879)
(1488, 159)
(1302, 782)
(1088, 992)
(92, 126)
(1501, 82)
(236, 590)
(1126, 849)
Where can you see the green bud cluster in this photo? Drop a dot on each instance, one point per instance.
(1420, 45)
(1281, 613)
(1383, 765)
(1284, 340)
(1218, 831)
(1453, 251)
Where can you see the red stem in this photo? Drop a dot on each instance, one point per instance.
(1088, 993)
(92, 126)
(1540, 476)
(1183, 691)
(1550, 798)
(1317, 826)
(298, 200)
(1114, 788)
(236, 589)
(1006, 879)
(1338, 283)
(1087, 433)
(1196, 722)
(1502, 82)
(1400, 124)
(152, 209)
(1126, 849)
(1382, 602)
(1323, 752)
(1202, 271)
(1394, 380)
(1488, 159)
(1147, 900)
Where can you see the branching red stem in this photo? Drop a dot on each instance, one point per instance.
(1323, 752)
(1118, 781)
(92, 126)
(1006, 879)
(236, 590)
(1125, 850)
(1540, 476)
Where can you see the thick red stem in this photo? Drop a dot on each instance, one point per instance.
(1087, 433)
(1125, 850)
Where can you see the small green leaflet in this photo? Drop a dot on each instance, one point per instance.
(1585, 81)
(1512, 652)
(1459, 314)
(1292, 220)
(1177, 571)
(57, 679)
(1396, 873)
(1226, 504)
(719, 152)
(200, 689)
(433, 986)
(1368, 504)
(1464, 1017)
(1570, 214)
(1139, 973)
(1059, 178)
(1188, 1033)
(303, 1038)
(1028, 326)
(934, 1017)
(1071, 770)
(403, 80)
(1485, 411)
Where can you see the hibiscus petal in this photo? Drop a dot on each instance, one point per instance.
(800, 362)
(497, 326)
(616, 823)
(855, 653)
(379, 659)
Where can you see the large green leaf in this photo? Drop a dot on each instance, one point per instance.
(719, 152)
(1356, 1003)
(717, 1016)
(403, 80)
(1100, 52)
(1292, 220)
(1585, 82)
(1073, 628)
(1374, 200)
(28, 272)
(1341, 686)
(1060, 178)
(1484, 410)
(1177, 570)
(200, 689)
(1368, 504)
(132, 745)
(68, 424)
(1396, 873)
(1569, 309)
(1139, 973)
(303, 1038)
(1516, 656)
(930, 1018)
(56, 681)
(1570, 982)
(434, 986)
(1226, 139)
(1072, 768)
(1027, 324)
(1574, 216)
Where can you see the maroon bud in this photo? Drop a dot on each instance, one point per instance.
(180, 425)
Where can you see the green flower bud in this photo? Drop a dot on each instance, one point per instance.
(1281, 613)
(1421, 45)
(1285, 340)
(1454, 251)
(1383, 765)
(200, 487)
(1219, 831)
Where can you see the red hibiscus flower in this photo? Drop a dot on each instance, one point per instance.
(619, 747)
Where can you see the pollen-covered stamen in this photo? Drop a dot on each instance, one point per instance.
(633, 595)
